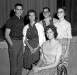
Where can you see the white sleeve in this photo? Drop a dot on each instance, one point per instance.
(69, 31)
(24, 33)
(41, 34)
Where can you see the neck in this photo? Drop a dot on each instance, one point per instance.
(52, 40)
(32, 23)
(61, 19)
(46, 18)
(18, 16)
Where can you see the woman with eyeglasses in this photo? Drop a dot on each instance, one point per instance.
(64, 31)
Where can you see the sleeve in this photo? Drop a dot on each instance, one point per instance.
(9, 24)
(24, 33)
(41, 49)
(41, 34)
(69, 31)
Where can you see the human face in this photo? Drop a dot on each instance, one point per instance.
(46, 13)
(50, 34)
(32, 16)
(60, 13)
(18, 10)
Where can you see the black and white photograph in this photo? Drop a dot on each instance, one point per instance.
(38, 37)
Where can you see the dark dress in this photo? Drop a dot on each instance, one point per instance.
(32, 36)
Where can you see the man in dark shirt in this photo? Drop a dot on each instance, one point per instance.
(13, 35)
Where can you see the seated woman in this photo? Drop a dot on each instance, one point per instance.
(51, 51)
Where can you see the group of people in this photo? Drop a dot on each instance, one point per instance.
(37, 46)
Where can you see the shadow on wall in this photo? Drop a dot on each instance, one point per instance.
(26, 20)
(12, 13)
(41, 17)
(2, 31)
(55, 16)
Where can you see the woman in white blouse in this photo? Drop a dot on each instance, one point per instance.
(64, 30)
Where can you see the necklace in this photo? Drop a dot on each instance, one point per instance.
(52, 45)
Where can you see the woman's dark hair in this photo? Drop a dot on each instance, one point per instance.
(31, 11)
(53, 28)
(65, 10)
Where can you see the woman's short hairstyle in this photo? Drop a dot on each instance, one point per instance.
(32, 11)
(53, 28)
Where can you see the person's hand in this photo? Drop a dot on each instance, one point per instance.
(55, 20)
(31, 50)
(11, 44)
(35, 49)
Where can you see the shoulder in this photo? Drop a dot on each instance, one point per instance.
(67, 23)
(38, 25)
(26, 27)
(40, 22)
(55, 20)
(45, 43)
(9, 23)
(11, 18)
(58, 44)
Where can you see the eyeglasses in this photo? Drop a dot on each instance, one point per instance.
(46, 12)
(60, 12)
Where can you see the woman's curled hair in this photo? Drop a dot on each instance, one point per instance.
(53, 28)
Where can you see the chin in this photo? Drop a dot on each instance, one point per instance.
(49, 38)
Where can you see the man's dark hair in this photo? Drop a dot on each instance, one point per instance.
(18, 4)
(46, 8)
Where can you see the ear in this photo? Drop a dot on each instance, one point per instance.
(14, 10)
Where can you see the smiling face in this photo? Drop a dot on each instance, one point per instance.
(18, 10)
(46, 13)
(50, 33)
(32, 16)
(60, 13)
